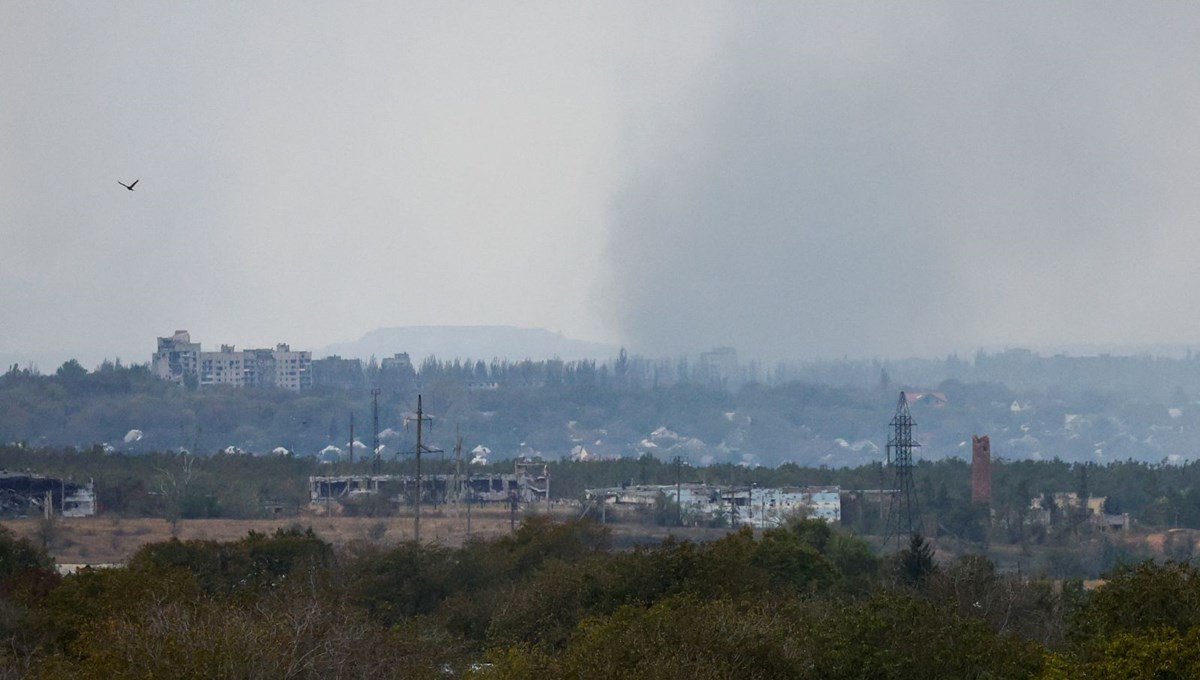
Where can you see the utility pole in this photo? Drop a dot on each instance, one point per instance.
(457, 464)
(417, 451)
(678, 491)
(749, 501)
(459, 490)
(351, 439)
(375, 429)
(446, 492)
(513, 512)
(762, 511)
(421, 448)
(882, 517)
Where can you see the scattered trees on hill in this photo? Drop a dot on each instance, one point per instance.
(554, 406)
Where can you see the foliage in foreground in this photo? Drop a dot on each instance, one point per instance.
(554, 600)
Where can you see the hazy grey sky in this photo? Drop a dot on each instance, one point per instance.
(794, 179)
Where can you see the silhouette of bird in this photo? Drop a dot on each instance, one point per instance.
(129, 186)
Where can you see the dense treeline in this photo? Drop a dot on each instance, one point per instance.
(553, 600)
(1154, 377)
(1061, 542)
(1157, 496)
(234, 485)
(557, 409)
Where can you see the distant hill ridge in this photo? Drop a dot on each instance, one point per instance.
(469, 342)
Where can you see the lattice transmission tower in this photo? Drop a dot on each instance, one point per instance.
(903, 520)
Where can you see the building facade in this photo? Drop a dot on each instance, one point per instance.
(334, 371)
(753, 506)
(178, 358)
(719, 367)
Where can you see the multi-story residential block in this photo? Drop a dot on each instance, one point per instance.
(287, 369)
(334, 371)
(178, 357)
(395, 371)
(226, 367)
(399, 364)
(718, 367)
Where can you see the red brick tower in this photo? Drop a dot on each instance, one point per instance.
(981, 469)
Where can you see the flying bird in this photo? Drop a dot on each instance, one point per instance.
(129, 186)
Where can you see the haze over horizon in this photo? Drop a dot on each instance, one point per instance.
(795, 181)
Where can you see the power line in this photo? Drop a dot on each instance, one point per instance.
(375, 429)
(903, 518)
(420, 448)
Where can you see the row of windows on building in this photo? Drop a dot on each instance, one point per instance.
(178, 359)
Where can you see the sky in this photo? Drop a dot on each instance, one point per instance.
(795, 180)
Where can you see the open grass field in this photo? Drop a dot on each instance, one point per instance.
(96, 540)
(110, 539)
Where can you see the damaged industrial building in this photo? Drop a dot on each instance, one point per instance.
(739, 505)
(24, 494)
(528, 483)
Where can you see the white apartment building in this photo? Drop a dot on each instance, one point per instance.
(226, 367)
(178, 356)
(292, 370)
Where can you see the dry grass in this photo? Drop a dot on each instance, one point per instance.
(95, 540)
(110, 539)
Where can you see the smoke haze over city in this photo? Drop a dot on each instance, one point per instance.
(794, 180)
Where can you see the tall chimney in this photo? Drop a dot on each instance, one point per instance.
(981, 469)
